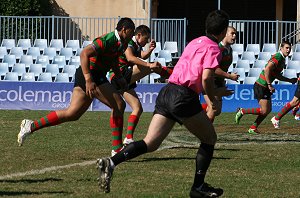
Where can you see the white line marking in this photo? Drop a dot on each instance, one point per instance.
(44, 170)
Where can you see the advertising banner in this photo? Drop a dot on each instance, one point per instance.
(54, 96)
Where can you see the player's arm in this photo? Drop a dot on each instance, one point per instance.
(147, 54)
(269, 69)
(221, 73)
(129, 53)
(208, 85)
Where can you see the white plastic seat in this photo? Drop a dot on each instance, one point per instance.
(254, 72)
(241, 72)
(296, 56)
(74, 44)
(166, 54)
(249, 56)
(27, 60)
(238, 47)
(290, 73)
(153, 77)
(260, 64)
(41, 43)
(45, 77)
(250, 80)
(17, 51)
(157, 48)
(297, 47)
(75, 60)
(57, 44)
(62, 77)
(293, 64)
(162, 61)
(78, 51)
(53, 69)
(10, 59)
(235, 57)
(34, 52)
(19, 68)
(29, 77)
(3, 52)
(269, 47)
(69, 69)
(171, 46)
(67, 52)
(243, 64)
(8, 43)
(3, 69)
(11, 76)
(24, 43)
(264, 56)
(37, 69)
(253, 48)
(60, 61)
(85, 43)
(232, 82)
(50, 52)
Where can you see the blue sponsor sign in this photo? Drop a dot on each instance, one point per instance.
(54, 96)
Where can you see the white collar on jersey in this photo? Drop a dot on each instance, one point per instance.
(117, 35)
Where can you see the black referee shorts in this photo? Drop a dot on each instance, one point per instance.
(177, 103)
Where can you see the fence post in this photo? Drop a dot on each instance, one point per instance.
(278, 37)
(52, 24)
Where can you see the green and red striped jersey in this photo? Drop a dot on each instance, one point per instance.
(279, 61)
(226, 57)
(137, 49)
(108, 47)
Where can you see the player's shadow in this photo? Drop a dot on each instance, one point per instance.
(30, 180)
(20, 193)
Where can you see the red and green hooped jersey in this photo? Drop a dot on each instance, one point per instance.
(279, 61)
(226, 59)
(108, 48)
(123, 62)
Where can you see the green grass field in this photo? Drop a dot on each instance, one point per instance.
(60, 161)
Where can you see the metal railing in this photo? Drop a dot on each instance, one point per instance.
(85, 28)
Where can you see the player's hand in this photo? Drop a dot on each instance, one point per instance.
(152, 45)
(223, 91)
(234, 76)
(91, 88)
(215, 105)
(271, 88)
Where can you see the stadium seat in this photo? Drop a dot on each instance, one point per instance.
(144, 80)
(74, 44)
(162, 61)
(8, 43)
(243, 64)
(230, 68)
(34, 52)
(57, 44)
(290, 73)
(17, 51)
(78, 51)
(60, 61)
(85, 43)
(75, 60)
(260, 64)
(10, 59)
(157, 48)
(37, 69)
(43, 60)
(29, 77)
(45, 77)
(241, 72)
(293, 64)
(27, 60)
(69, 69)
(41, 43)
(53, 69)
(296, 56)
(232, 82)
(50, 52)
(154, 78)
(264, 56)
(11, 76)
(253, 48)
(250, 56)
(250, 80)
(19, 68)
(297, 47)
(24, 43)
(239, 48)
(62, 77)
(152, 57)
(235, 57)
(269, 47)
(3, 51)
(67, 52)
(165, 54)
(171, 46)
(254, 72)
(3, 69)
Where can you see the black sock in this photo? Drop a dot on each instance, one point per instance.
(203, 159)
(130, 151)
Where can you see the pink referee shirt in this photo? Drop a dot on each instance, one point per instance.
(201, 53)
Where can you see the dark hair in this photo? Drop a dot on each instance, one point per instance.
(285, 43)
(143, 29)
(126, 23)
(216, 22)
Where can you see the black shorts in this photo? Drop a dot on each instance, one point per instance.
(177, 103)
(261, 92)
(297, 91)
(127, 74)
(99, 77)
